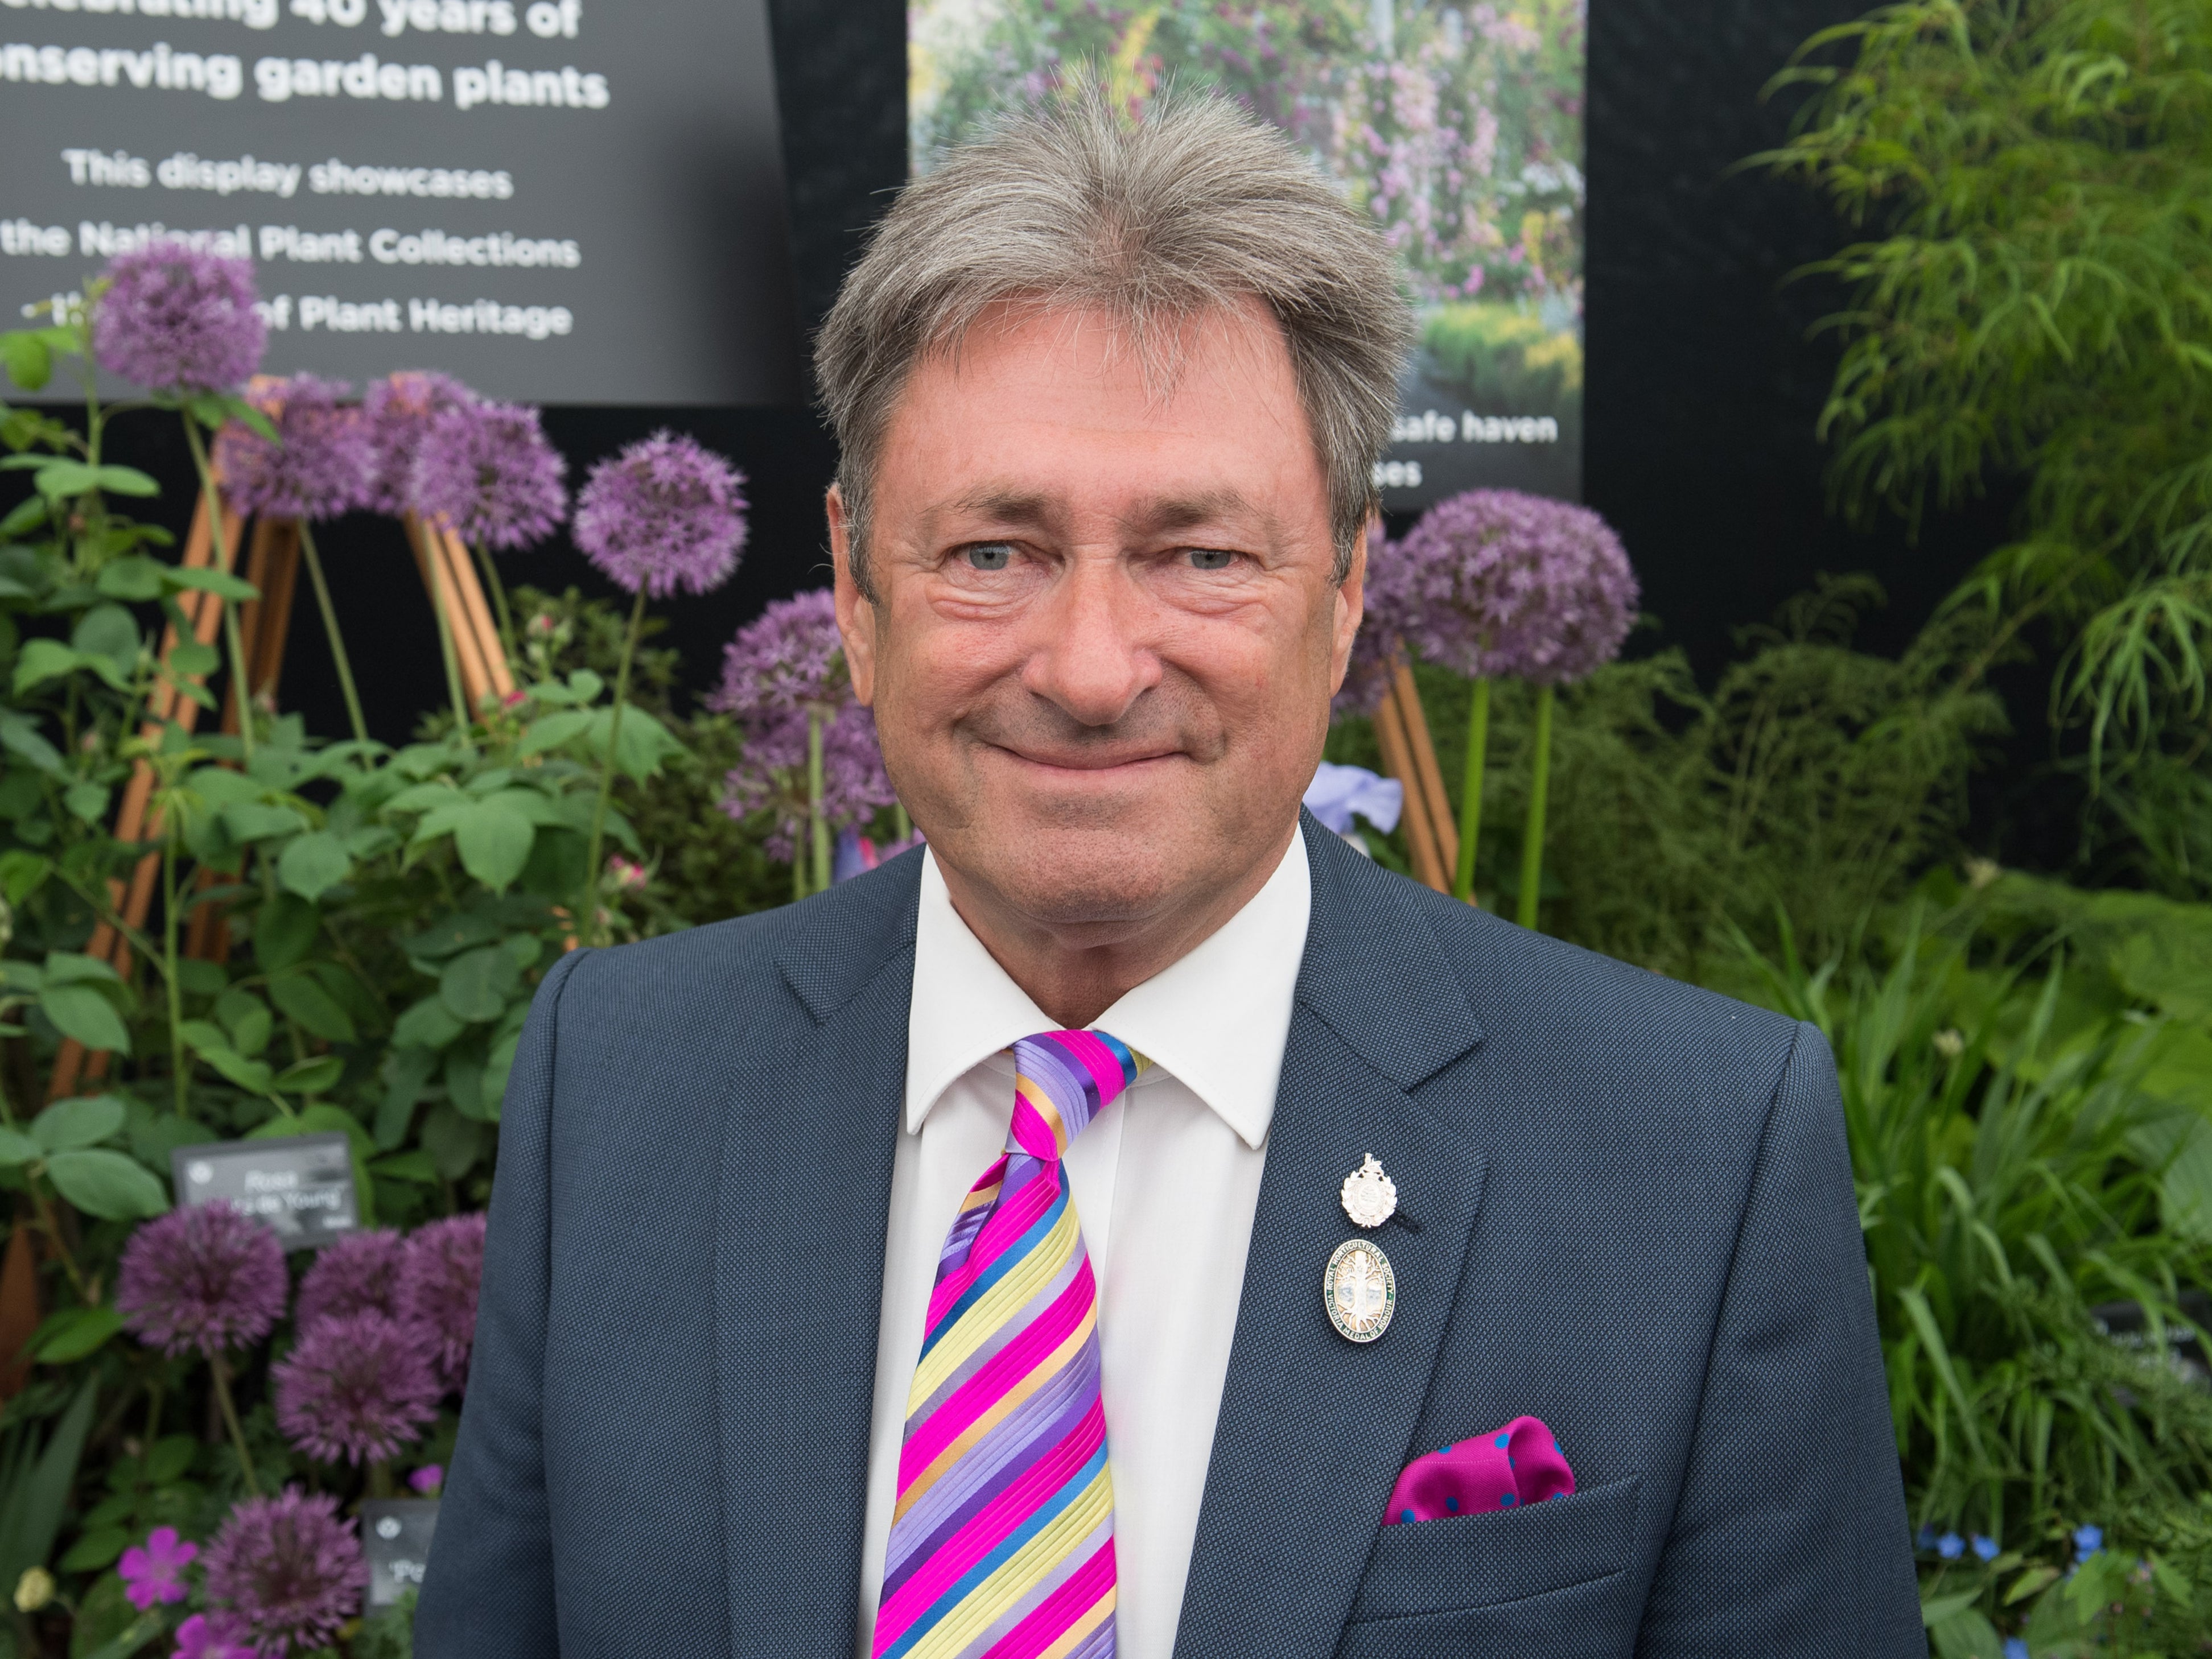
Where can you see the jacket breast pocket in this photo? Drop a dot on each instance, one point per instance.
(1476, 1561)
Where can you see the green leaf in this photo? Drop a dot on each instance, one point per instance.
(125, 480)
(260, 820)
(494, 840)
(134, 577)
(2028, 1583)
(24, 517)
(313, 864)
(311, 1077)
(59, 479)
(406, 1075)
(253, 1076)
(81, 1011)
(30, 365)
(415, 1165)
(477, 984)
(75, 968)
(315, 1010)
(85, 1120)
(66, 1337)
(1965, 1635)
(95, 1549)
(41, 660)
(19, 735)
(191, 657)
(20, 872)
(219, 582)
(554, 729)
(429, 1024)
(87, 802)
(36, 1496)
(17, 1148)
(284, 930)
(170, 1458)
(108, 1185)
(454, 1142)
(248, 1019)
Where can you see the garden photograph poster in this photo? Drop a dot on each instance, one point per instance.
(1458, 127)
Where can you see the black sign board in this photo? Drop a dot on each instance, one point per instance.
(560, 201)
(301, 1185)
(395, 1534)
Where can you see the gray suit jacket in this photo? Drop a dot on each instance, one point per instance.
(1635, 1221)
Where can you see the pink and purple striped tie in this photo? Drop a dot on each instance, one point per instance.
(1002, 1542)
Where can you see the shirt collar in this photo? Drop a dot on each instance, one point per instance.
(1216, 1019)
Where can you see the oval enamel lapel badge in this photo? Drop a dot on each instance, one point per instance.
(1359, 1290)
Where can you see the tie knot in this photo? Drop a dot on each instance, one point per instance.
(1062, 1080)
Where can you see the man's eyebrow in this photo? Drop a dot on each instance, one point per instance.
(1175, 513)
(1162, 516)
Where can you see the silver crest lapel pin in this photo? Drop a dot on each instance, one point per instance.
(1371, 1197)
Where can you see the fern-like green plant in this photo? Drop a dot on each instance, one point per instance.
(2034, 298)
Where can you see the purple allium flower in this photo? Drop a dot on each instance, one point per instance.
(356, 1273)
(155, 1572)
(1495, 582)
(488, 470)
(665, 514)
(356, 1388)
(438, 1290)
(788, 657)
(786, 661)
(202, 1278)
(287, 1570)
(179, 321)
(220, 1638)
(399, 412)
(427, 1478)
(320, 465)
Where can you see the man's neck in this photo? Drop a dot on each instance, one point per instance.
(1076, 972)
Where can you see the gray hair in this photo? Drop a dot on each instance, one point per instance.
(1200, 207)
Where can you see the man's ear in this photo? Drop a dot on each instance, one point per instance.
(1351, 605)
(856, 615)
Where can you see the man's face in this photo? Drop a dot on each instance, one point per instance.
(1105, 635)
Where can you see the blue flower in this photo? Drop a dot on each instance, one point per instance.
(1950, 1547)
(1986, 1548)
(2087, 1540)
(1927, 1538)
(2014, 1647)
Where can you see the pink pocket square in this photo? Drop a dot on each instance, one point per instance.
(1517, 1464)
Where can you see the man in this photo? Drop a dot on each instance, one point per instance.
(1082, 1236)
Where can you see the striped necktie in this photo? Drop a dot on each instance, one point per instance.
(1001, 1546)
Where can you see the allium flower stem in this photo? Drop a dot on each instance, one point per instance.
(1470, 801)
(818, 826)
(330, 627)
(241, 689)
(220, 1369)
(1539, 789)
(593, 875)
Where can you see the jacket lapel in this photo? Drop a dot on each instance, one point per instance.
(1313, 1429)
(809, 1133)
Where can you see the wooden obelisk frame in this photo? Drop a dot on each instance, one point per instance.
(1410, 756)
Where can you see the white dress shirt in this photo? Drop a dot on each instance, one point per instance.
(1165, 1181)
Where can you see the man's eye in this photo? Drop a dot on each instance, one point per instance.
(1210, 558)
(988, 556)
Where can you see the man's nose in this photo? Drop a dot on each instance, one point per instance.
(1093, 658)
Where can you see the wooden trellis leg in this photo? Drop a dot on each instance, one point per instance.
(484, 668)
(203, 611)
(1409, 755)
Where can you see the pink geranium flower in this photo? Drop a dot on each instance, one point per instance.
(155, 1572)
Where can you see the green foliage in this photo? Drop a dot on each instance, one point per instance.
(1813, 780)
(2035, 303)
